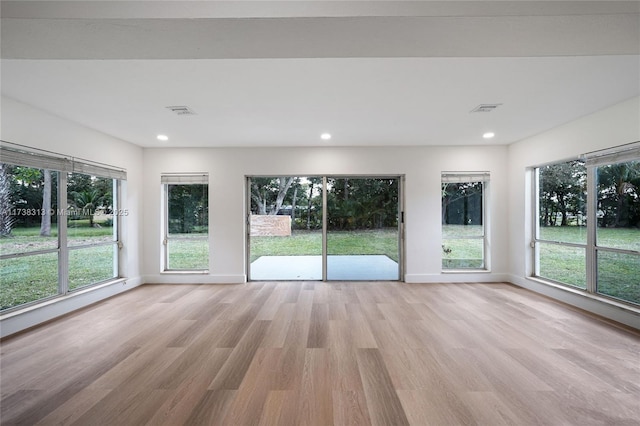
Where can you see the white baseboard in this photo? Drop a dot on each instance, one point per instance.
(190, 278)
(456, 277)
(598, 305)
(16, 321)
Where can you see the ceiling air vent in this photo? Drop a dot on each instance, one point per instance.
(485, 107)
(181, 110)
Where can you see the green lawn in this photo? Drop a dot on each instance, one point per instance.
(309, 243)
(625, 238)
(188, 253)
(459, 251)
(618, 274)
(29, 278)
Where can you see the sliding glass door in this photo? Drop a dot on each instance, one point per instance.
(324, 228)
(285, 228)
(362, 228)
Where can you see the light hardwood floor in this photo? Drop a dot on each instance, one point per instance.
(291, 353)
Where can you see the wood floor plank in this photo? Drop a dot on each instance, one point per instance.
(74, 408)
(212, 408)
(350, 408)
(315, 403)
(51, 398)
(487, 408)
(246, 408)
(427, 407)
(344, 353)
(319, 326)
(280, 323)
(384, 405)
(344, 363)
(187, 385)
(272, 413)
(234, 370)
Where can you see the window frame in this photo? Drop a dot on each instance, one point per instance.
(615, 155)
(537, 241)
(115, 243)
(23, 156)
(482, 177)
(167, 179)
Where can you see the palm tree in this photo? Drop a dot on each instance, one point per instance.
(87, 201)
(6, 219)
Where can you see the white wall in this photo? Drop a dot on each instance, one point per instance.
(28, 126)
(227, 169)
(617, 125)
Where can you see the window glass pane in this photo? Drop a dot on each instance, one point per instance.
(462, 254)
(188, 209)
(90, 209)
(563, 264)
(28, 207)
(462, 225)
(462, 208)
(619, 275)
(187, 227)
(362, 228)
(91, 265)
(27, 279)
(619, 206)
(562, 196)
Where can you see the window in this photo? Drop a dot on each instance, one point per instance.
(617, 242)
(597, 256)
(463, 220)
(561, 237)
(186, 222)
(92, 234)
(58, 225)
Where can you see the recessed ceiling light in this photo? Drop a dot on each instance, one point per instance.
(325, 136)
(488, 135)
(163, 138)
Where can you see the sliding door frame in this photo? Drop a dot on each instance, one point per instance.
(325, 177)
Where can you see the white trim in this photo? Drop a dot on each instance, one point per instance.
(589, 302)
(469, 277)
(16, 321)
(194, 278)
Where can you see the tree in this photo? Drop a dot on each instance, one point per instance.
(295, 199)
(312, 183)
(619, 194)
(6, 218)
(562, 190)
(26, 193)
(462, 203)
(87, 201)
(362, 203)
(268, 194)
(188, 208)
(45, 224)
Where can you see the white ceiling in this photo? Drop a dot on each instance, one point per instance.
(280, 73)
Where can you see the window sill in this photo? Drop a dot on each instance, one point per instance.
(583, 293)
(198, 272)
(12, 312)
(466, 271)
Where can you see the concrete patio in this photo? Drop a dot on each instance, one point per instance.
(348, 268)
